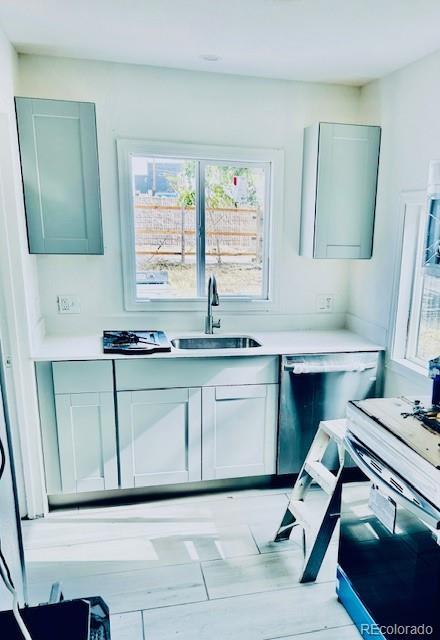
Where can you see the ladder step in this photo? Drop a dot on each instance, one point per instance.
(299, 509)
(320, 474)
(336, 429)
(306, 513)
(309, 515)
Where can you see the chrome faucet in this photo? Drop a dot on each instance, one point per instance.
(213, 301)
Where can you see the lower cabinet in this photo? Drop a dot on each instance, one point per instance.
(184, 435)
(159, 436)
(239, 430)
(130, 424)
(87, 441)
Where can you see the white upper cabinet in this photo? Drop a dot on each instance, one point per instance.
(340, 168)
(59, 163)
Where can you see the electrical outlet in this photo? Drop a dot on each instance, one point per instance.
(68, 304)
(324, 303)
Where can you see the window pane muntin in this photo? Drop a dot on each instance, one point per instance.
(236, 212)
(165, 230)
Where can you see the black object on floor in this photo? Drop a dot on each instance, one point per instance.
(82, 619)
(135, 342)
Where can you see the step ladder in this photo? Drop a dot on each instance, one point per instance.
(316, 532)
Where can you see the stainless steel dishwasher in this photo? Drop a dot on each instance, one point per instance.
(315, 388)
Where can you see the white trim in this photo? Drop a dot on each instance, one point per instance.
(416, 299)
(411, 204)
(20, 374)
(406, 287)
(272, 160)
(409, 370)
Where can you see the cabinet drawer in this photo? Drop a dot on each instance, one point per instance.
(82, 377)
(195, 372)
(244, 391)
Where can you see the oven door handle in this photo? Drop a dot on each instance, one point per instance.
(418, 505)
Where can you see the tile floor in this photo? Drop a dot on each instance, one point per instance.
(200, 567)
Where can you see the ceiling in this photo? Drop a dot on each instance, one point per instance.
(344, 41)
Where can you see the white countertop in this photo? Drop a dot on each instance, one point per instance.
(53, 348)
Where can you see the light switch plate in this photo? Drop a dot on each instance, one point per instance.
(324, 303)
(68, 304)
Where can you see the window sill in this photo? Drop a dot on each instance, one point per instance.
(408, 369)
(227, 306)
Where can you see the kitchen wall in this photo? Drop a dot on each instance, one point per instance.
(406, 104)
(163, 104)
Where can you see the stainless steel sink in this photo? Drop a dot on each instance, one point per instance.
(215, 342)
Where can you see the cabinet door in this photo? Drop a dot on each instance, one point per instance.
(59, 160)
(159, 436)
(239, 431)
(346, 190)
(87, 441)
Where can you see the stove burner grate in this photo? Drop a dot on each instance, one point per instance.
(135, 342)
(429, 418)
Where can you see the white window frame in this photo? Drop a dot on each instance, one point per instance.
(407, 289)
(273, 162)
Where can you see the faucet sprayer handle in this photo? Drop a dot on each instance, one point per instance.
(215, 301)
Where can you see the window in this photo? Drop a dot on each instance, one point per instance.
(189, 212)
(417, 332)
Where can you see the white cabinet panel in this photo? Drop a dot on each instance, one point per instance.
(87, 441)
(239, 431)
(159, 436)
